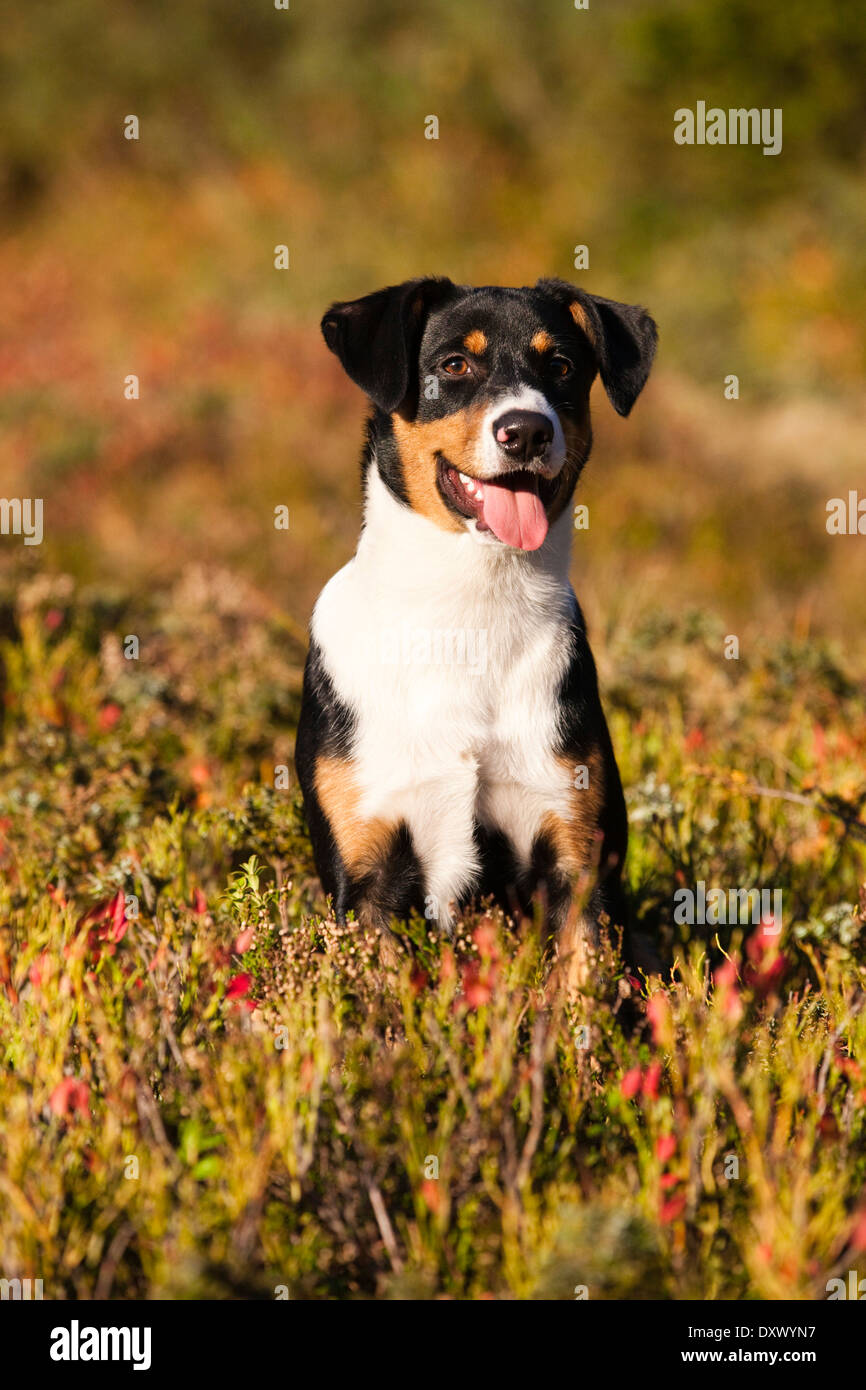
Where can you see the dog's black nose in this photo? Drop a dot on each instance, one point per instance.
(523, 434)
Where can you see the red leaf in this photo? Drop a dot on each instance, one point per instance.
(630, 1083)
(108, 716)
(651, 1081)
(671, 1209)
(418, 980)
(477, 985)
(70, 1097)
(239, 985)
(658, 1011)
(430, 1194)
(666, 1147)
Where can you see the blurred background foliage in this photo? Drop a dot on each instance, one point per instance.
(306, 127)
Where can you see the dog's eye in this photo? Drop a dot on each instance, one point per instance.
(561, 367)
(455, 366)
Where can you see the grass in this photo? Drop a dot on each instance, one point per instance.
(211, 1090)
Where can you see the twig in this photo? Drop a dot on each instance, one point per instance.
(383, 1221)
(539, 1038)
(386, 1230)
(149, 1110)
(279, 866)
(114, 1254)
(822, 805)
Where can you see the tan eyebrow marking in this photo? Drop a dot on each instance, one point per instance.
(541, 341)
(578, 313)
(475, 341)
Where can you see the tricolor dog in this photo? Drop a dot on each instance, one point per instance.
(452, 743)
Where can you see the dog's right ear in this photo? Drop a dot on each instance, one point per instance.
(377, 338)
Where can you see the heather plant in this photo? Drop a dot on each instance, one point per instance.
(211, 1089)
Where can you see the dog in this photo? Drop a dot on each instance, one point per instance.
(451, 744)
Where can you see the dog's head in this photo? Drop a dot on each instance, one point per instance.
(481, 396)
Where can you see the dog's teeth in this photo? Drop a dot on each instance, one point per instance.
(475, 490)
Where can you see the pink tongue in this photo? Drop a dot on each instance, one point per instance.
(515, 514)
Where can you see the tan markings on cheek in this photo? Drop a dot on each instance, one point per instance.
(456, 437)
(579, 314)
(363, 843)
(475, 342)
(541, 341)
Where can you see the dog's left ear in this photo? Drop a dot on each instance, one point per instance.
(377, 338)
(622, 336)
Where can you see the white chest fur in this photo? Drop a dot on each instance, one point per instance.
(450, 653)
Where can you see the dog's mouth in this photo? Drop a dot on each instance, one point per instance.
(513, 506)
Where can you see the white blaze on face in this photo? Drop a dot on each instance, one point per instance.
(493, 461)
(513, 511)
